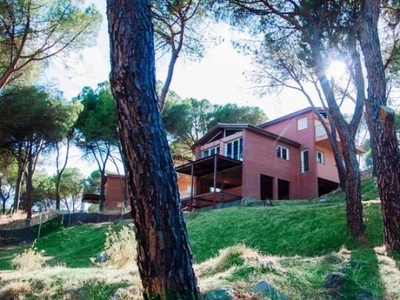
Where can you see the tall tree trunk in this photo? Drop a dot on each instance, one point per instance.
(352, 184)
(29, 187)
(383, 137)
(164, 256)
(60, 170)
(102, 189)
(354, 208)
(18, 187)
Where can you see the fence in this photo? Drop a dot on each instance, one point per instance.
(30, 233)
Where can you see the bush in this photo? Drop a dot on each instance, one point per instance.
(119, 247)
(29, 260)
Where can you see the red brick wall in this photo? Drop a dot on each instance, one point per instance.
(308, 182)
(260, 157)
(114, 193)
(327, 170)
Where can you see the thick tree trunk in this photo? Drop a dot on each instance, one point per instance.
(383, 137)
(354, 208)
(388, 177)
(164, 256)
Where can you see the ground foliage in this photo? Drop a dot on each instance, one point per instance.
(294, 245)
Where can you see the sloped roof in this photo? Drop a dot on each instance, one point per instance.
(288, 116)
(241, 126)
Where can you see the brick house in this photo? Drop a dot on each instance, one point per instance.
(286, 158)
(115, 195)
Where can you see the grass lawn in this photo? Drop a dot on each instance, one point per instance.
(294, 245)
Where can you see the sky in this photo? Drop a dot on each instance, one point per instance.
(219, 77)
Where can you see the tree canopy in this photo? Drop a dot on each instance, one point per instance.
(97, 128)
(33, 120)
(31, 31)
(187, 120)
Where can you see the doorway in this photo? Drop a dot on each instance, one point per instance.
(283, 189)
(266, 187)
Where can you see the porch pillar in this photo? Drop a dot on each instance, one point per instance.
(191, 187)
(275, 192)
(215, 180)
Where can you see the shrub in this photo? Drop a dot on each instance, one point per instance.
(29, 260)
(120, 247)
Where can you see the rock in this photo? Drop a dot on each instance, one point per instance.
(101, 257)
(364, 295)
(333, 281)
(266, 263)
(322, 200)
(265, 289)
(220, 294)
(344, 269)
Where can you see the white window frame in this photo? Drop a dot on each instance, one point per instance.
(208, 152)
(302, 124)
(239, 149)
(280, 151)
(302, 161)
(320, 157)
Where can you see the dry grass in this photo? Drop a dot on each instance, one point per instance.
(119, 248)
(389, 274)
(292, 275)
(14, 289)
(29, 260)
(48, 282)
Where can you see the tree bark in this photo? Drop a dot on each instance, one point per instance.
(164, 256)
(381, 118)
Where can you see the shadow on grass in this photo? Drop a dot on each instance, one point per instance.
(361, 278)
(8, 253)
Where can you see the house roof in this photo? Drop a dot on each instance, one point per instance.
(288, 116)
(240, 126)
(91, 198)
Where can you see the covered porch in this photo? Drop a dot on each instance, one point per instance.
(216, 180)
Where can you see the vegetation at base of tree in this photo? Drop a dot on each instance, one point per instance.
(298, 243)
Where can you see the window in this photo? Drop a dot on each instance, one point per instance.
(234, 149)
(304, 161)
(282, 152)
(320, 157)
(302, 124)
(210, 152)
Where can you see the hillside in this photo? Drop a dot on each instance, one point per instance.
(298, 247)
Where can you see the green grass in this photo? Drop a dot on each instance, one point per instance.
(74, 246)
(7, 254)
(305, 241)
(288, 230)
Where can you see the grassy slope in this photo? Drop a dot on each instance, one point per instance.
(306, 236)
(288, 230)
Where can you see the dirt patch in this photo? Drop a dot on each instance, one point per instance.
(18, 220)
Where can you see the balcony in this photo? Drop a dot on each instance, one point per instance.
(321, 138)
